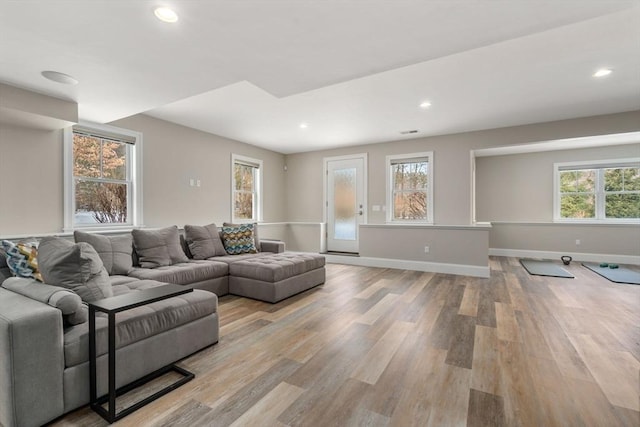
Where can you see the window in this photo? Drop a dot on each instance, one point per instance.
(102, 177)
(597, 191)
(246, 194)
(410, 188)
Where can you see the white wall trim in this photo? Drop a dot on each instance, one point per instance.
(577, 256)
(434, 267)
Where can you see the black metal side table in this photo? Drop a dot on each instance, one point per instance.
(111, 306)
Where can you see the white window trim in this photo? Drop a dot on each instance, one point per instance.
(430, 187)
(135, 172)
(590, 164)
(259, 188)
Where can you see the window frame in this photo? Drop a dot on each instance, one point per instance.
(390, 159)
(257, 191)
(133, 173)
(600, 166)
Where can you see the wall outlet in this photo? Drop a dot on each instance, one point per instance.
(577, 242)
(426, 249)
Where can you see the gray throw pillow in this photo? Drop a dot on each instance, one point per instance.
(74, 266)
(115, 251)
(256, 239)
(157, 248)
(204, 241)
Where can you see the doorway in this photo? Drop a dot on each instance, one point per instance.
(345, 201)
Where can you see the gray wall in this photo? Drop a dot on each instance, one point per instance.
(515, 193)
(452, 180)
(173, 154)
(31, 199)
(31, 166)
(31, 188)
(519, 187)
(508, 188)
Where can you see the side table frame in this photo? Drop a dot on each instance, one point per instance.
(111, 306)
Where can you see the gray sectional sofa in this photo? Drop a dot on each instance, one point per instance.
(44, 370)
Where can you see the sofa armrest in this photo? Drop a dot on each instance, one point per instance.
(31, 361)
(271, 246)
(63, 299)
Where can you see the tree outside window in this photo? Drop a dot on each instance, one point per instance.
(410, 181)
(245, 189)
(100, 180)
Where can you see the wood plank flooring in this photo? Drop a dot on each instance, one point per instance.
(382, 347)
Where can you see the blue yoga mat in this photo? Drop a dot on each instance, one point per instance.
(616, 275)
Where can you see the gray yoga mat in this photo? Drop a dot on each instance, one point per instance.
(544, 268)
(616, 275)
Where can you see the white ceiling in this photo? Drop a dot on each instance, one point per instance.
(355, 71)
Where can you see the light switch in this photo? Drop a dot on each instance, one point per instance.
(192, 182)
(198, 183)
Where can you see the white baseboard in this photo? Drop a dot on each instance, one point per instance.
(577, 256)
(433, 267)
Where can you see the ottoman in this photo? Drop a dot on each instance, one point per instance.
(275, 277)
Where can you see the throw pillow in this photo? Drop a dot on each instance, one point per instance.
(22, 259)
(74, 266)
(115, 251)
(239, 239)
(256, 239)
(204, 241)
(157, 248)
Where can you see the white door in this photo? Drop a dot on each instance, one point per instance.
(346, 204)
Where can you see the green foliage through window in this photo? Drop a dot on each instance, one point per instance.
(600, 193)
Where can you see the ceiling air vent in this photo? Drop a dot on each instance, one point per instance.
(407, 132)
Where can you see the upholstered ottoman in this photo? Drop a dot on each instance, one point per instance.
(273, 278)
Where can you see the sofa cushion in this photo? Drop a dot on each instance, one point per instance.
(183, 273)
(228, 259)
(138, 323)
(157, 248)
(121, 280)
(239, 239)
(204, 241)
(22, 259)
(276, 267)
(115, 251)
(75, 266)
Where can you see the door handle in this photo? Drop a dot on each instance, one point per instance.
(360, 213)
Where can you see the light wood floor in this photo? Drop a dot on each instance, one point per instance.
(378, 347)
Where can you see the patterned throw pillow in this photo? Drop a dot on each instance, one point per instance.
(22, 259)
(238, 239)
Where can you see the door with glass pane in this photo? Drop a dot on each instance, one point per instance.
(345, 203)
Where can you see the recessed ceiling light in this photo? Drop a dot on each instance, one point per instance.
(424, 105)
(602, 72)
(57, 77)
(303, 125)
(166, 15)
